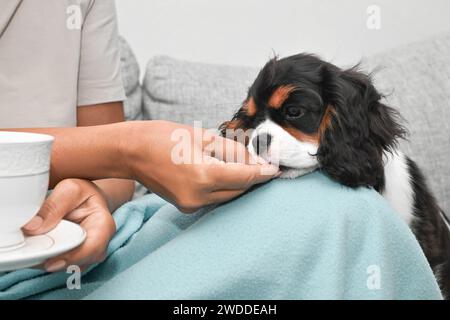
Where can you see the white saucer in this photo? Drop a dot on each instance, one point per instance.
(66, 236)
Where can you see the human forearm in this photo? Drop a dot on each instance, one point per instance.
(116, 191)
(85, 152)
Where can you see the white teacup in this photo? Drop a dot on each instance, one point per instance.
(24, 175)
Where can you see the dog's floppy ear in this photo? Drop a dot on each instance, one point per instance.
(359, 129)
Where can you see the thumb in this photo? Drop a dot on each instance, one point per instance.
(67, 196)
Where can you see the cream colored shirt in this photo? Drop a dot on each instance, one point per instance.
(56, 55)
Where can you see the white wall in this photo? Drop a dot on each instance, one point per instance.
(246, 32)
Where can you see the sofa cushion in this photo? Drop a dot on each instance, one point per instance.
(416, 79)
(185, 92)
(130, 79)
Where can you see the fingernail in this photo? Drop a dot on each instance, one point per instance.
(55, 266)
(34, 224)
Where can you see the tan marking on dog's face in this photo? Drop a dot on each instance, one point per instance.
(301, 136)
(233, 125)
(313, 138)
(250, 107)
(280, 95)
(236, 132)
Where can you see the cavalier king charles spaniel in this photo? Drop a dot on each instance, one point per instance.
(307, 114)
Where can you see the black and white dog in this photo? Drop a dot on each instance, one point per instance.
(307, 114)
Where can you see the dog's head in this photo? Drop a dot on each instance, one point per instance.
(307, 113)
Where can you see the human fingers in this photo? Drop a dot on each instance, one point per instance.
(66, 196)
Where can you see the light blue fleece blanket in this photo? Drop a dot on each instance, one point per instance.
(308, 238)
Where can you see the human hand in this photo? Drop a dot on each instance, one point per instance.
(149, 151)
(82, 202)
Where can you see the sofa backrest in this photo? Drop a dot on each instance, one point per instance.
(185, 92)
(130, 79)
(416, 79)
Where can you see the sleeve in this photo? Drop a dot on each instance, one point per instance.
(99, 79)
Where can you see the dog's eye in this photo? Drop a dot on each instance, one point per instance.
(294, 112)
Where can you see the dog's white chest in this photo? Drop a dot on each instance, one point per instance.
(398, 190)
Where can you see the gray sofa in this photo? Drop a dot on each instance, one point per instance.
(415, 77)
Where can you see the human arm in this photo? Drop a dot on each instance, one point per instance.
(116, 191)
(141, 150)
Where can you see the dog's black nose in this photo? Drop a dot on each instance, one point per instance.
(261, 142)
